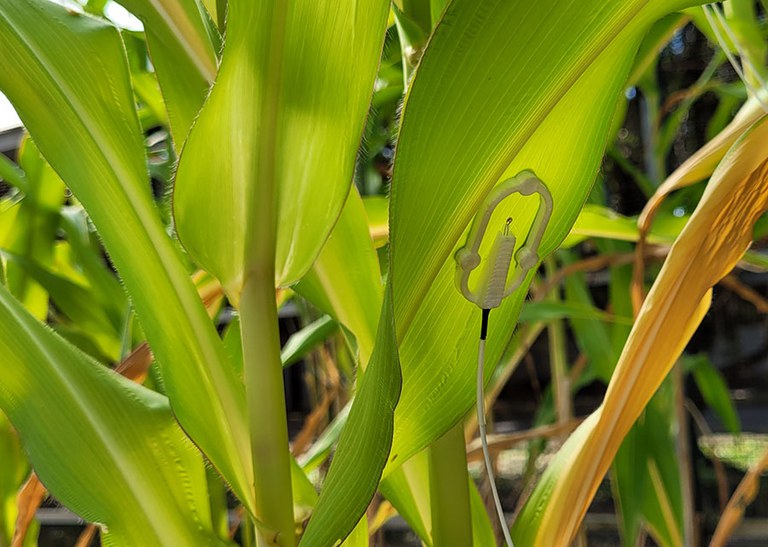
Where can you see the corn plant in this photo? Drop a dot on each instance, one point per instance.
(265, 104)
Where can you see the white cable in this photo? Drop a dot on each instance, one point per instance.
(484, 440)
(495, 284)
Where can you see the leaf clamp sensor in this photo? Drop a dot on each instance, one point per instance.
(496, 283)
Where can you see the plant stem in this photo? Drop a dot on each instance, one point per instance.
(684, 455)
(262, 368)
(449, 489)
(263, 374)
(649, 110)
(559, 360)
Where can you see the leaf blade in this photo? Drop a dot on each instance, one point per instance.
(82, 117)
(69, 409)
(308, 71)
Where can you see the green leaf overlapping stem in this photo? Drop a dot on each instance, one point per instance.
(69, 409)
(292, 84)
(78, 106)
(448, 157)
(569, 132)
(345, 281)
(295, 80)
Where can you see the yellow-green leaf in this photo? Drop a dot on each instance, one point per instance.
(364, 443)
(439, 350)
(268, 164)
(77, 104)
(481, 91)
(69, 410)
(345, 280)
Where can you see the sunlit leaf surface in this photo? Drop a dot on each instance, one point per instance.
(183, 43)
(364, 443)
(563, 146)
(294, 82)
(77, 104)
(144, 480)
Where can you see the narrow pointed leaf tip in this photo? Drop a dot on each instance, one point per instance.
(717, 235)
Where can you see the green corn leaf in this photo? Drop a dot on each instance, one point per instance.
(35, 230)
(295, 348)
(592, 335)
(15, 471)
(456, 141)
(563, 146)
(377, 210)
(272, 103)
(216, 9)
(646, 476)
(307, 339)
(600, 221)
(408, 489)
(304, 494)
(77, 104)
(144, 482)
(13, 174)
(183, 42)
(363, 445)
(86, 252)
(438, 353)
(548, 311)
(358, 537)
(77, 303)
(321, 448)
(294, 82)
(714, 390)
(345, 280)
(482, 529)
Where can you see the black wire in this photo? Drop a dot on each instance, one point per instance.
(484, 326)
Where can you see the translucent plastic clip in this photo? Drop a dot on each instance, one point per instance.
(496, 284)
